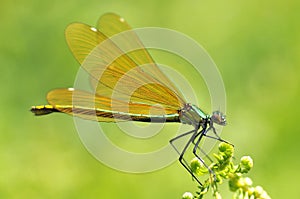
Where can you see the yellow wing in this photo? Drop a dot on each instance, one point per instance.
(112, 70)
(92, 107)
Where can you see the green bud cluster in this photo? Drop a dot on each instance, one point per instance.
(224, 169)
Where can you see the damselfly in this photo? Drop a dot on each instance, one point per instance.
(154, 99)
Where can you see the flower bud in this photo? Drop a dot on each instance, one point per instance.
(246, 163)
(258, 190)
(234, 182)
(187, 195)
(251, 191)
(227, 149)
(248, 181)
(197, 166)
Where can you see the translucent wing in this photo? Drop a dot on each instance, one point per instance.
(115, 71)
(88, 106)
(111, 24)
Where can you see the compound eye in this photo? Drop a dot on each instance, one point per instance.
(218, 118)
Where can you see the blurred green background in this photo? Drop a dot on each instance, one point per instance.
(256, 46)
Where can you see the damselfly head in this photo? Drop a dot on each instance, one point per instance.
(218, 118)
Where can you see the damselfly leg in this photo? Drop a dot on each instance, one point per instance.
(195, 139)
(181, 157)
